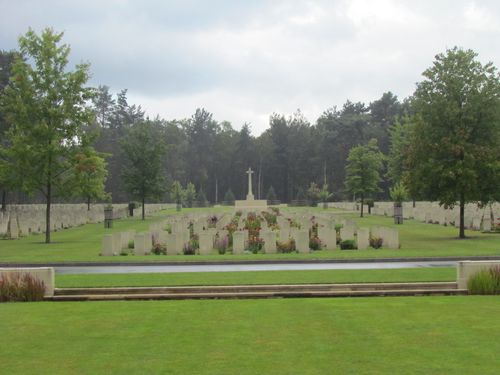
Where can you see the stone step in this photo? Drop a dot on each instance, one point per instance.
(256, 295)
(254, 288)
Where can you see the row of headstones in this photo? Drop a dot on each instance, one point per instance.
(114, 244)
(475, 218)
(22, 220)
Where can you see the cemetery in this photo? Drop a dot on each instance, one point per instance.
(353, 238)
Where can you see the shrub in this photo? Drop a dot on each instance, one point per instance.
(125, 252)
(315, 243)
(21, 288)
(255, 244)
(286, 246)
(485, 282)
(130, 244)
(191, 247)
(270, 218)
(168, 228)
(376, 242)
(221, 244)
(159, 249)
(348, 245)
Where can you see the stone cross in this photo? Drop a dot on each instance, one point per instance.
(250, 194)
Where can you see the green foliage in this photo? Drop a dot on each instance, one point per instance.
(221, 244)
(159, 249)
(190, 194)
(364, 164)
(348, 245)
(485, 281)
(46, 108)
(286, 247)
(177, 193)
(376, 242)
(454, 153)
(144, 148)
(400, 144)
(315, 243)
(324, 194)
(90, 175)
(271, 195)
(191, 247)
(313, 193)
(130, 244)
(19, 287)
(229, 197)
(202, 198)
(399, 192)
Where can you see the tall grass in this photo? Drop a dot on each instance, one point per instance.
(17, 287)
(485, 281)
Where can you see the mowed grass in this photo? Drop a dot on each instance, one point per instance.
(257, 277)
(398, 335)
(83, 244)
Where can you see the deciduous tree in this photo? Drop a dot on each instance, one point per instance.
(456, 141)
(46, 107)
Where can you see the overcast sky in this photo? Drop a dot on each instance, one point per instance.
(243, 60)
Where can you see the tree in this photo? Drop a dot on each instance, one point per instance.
(46, 107)
(90, 175)
(363, 170)
(324, 195)
(455, 144)
(229, 197)
(190, 194)
(271, 195)
(144, 148)
(177, 194)
(202, 198)
(313, 193)
(7, 59)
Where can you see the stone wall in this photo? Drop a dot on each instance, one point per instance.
(24, 219)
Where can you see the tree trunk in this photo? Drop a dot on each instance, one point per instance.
(462, 216)
(4, 200)
(47, 213)
(362, 204)
(143, 215)
(414, 203)
(88, 203)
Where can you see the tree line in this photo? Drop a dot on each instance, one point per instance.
(61, 138)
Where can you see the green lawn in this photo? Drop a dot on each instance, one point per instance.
(257, 277)
(397, 335)
(84, 243)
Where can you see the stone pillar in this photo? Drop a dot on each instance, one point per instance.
(139, 244)
(363, 239)
(390, 238)
(117, 243)
(239, 242)
(172, 245)
(107, 245)
(206, 243)
(346, 233)
(486, 224)
(328, 236)
(269, 238)
(302, 241)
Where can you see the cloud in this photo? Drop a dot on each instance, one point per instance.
(245, 60)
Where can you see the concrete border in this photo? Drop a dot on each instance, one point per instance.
(467, 269)
(45, 274)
